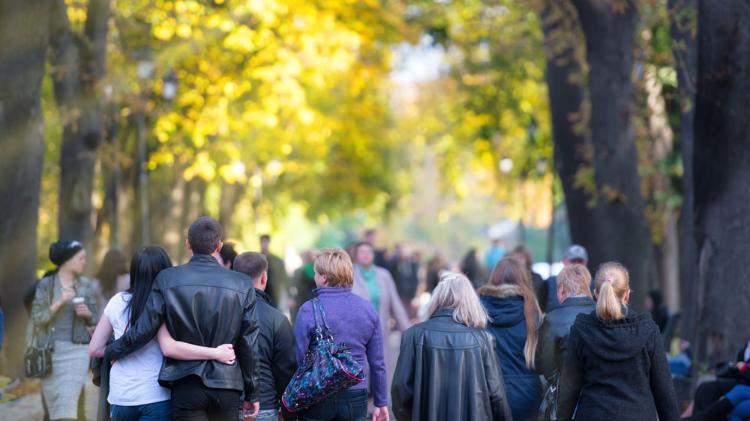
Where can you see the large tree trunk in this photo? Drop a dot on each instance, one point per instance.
(567, 100)
(23, 39)
(619, 222)
(722, 170)
(684, 29)
(78, 66)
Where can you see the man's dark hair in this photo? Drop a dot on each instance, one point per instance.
(265, 237)
(204, 235)
(251, 264)
(228, 253)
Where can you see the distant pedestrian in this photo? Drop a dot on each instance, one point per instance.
(276, 350)
(447, 369)
(277, 277)
(493, 254)
(227, 254)
(64, 308)
(575, 254)
(615, 366)
(659, 311)
(303, 281)
(472, 269)
(375, 284)
(112, 277)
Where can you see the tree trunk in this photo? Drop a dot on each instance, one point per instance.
(231, 193)
(568, 108)
(683, 28)
(24, 39)
(78, 65)
(722, 171)
(619, 224)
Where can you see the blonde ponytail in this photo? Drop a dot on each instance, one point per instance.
(612, 285)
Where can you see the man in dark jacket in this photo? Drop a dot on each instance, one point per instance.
(276, 358)
(573, 291)
(205, 304)
(277, 278)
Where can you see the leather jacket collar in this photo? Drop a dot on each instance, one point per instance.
(443, 312)
(203, 258)
(262, 295)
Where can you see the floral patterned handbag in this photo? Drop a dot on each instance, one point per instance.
(328, 368)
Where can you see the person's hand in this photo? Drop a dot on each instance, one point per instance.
(380, 414)
(250, 410)
(82, 311)
(67, 295)
(225, 354)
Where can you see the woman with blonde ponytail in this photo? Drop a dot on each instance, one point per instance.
(510, 301)
(615, 366)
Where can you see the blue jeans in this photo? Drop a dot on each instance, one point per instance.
(267, 415)
(740, 412)
(157, 411)
(347, 405)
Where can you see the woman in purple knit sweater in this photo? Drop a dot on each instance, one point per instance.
(354, 323)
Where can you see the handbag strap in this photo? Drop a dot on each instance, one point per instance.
(318, 308)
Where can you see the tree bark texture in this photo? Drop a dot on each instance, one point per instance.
(620, 228)
(684, 31)
(78, 66)
(23, 51)
(722, 171)
(568, 106)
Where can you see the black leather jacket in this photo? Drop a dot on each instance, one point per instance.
(458, 358)
(553, 334)
(203, 304)
(276, 357)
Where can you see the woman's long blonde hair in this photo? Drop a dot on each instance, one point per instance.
(455, 291)
(612, 286)
(510, 271)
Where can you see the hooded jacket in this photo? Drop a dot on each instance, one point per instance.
(446, 371)
(504, 305)
(616, 369)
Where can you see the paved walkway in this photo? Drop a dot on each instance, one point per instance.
(29, 407)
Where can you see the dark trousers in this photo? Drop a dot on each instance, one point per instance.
(710, 392)
(347, 405)
(191, 400)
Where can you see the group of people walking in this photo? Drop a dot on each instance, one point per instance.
(201, 341)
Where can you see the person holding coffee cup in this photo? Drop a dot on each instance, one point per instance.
(65, 309)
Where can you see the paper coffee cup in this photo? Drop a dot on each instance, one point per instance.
(79, 300)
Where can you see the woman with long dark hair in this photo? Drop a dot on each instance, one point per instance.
(514, 314)
(134, 390)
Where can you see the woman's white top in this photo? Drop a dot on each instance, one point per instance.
(134, 379)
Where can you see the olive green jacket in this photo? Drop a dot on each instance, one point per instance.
(42, 318)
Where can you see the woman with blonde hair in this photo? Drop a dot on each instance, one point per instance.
(615, 366)
(354, 323)
(514, 315)
(447, 369)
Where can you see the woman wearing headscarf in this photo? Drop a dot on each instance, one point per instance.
(63, 310)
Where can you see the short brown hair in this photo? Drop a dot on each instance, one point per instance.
(575, 279)
(251, 264)
(336, 266)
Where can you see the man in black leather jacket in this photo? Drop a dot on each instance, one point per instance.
(573, 291)
(276, 351)
(204, 304)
